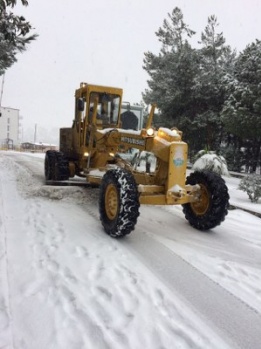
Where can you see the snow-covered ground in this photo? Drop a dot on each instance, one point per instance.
(67, 285)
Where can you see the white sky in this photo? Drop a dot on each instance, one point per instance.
(103, 43)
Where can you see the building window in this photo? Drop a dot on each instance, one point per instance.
(8, 128)
(8, 121)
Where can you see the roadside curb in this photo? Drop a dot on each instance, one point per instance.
(233, 207)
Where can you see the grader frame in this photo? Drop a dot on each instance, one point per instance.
(92, 148)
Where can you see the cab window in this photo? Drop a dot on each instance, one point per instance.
(107, 109)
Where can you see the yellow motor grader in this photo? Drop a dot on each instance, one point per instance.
(93, 148)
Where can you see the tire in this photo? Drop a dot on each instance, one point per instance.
(49, 164)
(61, 167)
(118, 202)
(212, 207)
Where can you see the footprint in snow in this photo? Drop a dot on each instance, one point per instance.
(104, 292)
(33, 288)
(4, 319)
(81, 252)
(96, 270)
(68, 275)
(52, 266)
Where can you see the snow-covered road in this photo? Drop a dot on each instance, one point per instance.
(66, 284)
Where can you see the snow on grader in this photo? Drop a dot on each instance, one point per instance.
(94, 147)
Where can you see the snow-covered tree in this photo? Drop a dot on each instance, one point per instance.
(14, 34)
(188, 84)
(251, 184)
(172, 71)
(216, 59)
(173, 34)
(242, 110)
(233, 154)
(209, 160)
(12, 3)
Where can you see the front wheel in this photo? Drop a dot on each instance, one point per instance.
(118, 202)
(212, 206)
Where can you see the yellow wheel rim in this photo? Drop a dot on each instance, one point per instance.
(111, 202)
(201, 206)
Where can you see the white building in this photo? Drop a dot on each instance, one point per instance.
(9, 128)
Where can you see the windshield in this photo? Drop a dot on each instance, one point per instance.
(107, 109)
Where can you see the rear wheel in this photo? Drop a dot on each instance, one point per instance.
(61, 167)
(212, 207)
(118, 202)
(49, 164)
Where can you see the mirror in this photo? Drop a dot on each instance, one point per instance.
(80, 104)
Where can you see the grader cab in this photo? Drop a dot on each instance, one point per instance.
(93, 148)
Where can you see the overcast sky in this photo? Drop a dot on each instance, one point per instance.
(103, 42)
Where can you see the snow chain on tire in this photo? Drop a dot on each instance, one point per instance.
(49, 163)
(61, 171)
(118, 202)
(56, 167)
(213, 207)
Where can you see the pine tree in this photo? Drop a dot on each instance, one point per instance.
(171, 35)
(216, 61)
(242, 110)
(172, 71)
(5, 3)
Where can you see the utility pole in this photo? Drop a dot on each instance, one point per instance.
(35, 132)
(1, 95)
(2, 89)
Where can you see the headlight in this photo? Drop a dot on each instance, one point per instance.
(150, 131)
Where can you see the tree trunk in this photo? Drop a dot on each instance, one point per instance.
(256, 155)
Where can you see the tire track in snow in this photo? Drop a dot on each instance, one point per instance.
(89, 308)
(228, 258)
(6, 334)
(55, 284)
(60, 282)
(235, 321)
(161, 261)
(72, 311)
